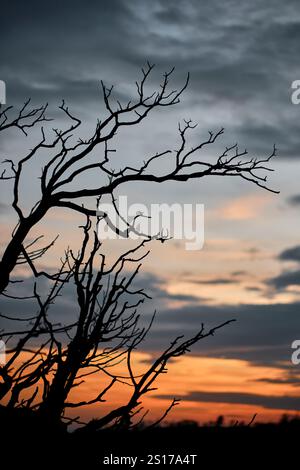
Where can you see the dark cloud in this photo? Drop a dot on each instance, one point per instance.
(262, 334)
(280, 402)
(288, 277)
(156, 288)
(294, 200)
(285, 279)
(242, 57)
(290, 254)
(253, 288)
(215, 281)
(65, 54)
(291, 379)
(65, 307)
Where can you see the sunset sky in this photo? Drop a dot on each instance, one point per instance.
(242, 57)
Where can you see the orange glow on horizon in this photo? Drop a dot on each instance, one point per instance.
(191, 373)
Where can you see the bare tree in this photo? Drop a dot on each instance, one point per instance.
(48, 357)
(68, 161)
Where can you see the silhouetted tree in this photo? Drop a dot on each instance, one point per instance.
(48, 358)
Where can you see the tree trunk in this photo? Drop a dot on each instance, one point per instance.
(14, 248)
(53, 404)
